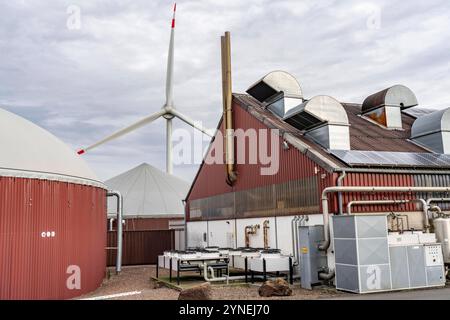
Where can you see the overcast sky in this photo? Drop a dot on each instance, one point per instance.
(83, 79)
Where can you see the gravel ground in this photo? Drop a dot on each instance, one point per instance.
(139, 279)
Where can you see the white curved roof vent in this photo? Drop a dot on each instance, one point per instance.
(433, 131)
(279, 91)
(27, 150)
(325, 121)
(385, 107)
(318, 110)
(274, 83)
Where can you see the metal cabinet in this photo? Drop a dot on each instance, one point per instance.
(361, 253)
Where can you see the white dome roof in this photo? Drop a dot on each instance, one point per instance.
(148, 192)
(27, 150)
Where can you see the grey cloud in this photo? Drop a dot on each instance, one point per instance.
(84, 84)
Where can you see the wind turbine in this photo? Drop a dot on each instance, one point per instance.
(168, 111)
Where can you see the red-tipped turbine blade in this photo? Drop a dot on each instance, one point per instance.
(173, 19)
(80, 152)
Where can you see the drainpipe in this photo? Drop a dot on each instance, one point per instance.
(339, 184)
(326, 218)
(294, 239)
(119, 227)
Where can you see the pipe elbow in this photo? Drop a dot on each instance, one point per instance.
(231, 178)
(327, 276)
(324, 246)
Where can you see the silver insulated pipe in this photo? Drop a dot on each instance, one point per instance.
(119, 198)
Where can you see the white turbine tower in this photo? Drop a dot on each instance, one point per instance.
(168, 111)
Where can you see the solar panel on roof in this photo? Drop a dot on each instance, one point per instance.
(392, 159)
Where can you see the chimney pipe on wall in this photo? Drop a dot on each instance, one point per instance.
(227, 97)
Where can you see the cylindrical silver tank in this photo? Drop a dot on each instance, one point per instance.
(442, 230)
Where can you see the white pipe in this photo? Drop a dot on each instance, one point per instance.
(111, 222)
(372, 202)
(213, 278)
(119, 227)
(339, 184)
(326, 218)
(294, 227)
(431, 200)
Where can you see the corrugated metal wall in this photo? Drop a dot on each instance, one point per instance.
(141, 247)
(142, 224)
(35, 267)
(397, 180)
(254, 195)
(210, 184)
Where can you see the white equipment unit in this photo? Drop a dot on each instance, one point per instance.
(273, 264)
(442, 230)
(417, 266)
(411, 238)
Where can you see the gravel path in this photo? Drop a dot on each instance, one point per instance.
(139, 279)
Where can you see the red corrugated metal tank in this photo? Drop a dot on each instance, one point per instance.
(52, 216)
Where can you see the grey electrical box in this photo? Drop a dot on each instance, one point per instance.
(361, 253)
(417, 266)
(312, 261)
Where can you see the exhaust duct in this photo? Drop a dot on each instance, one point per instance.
(385, 107)
(227, 96)
(433, 131)
(324, 120)
(279, 91)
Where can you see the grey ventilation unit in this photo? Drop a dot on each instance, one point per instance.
(433, 131)
(278, 90)
(385, 107)
(325, 121)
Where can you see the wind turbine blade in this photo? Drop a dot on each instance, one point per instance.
(192, 123)
(124, 131)
(169, 76)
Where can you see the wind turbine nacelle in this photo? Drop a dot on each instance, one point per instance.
(168, 116)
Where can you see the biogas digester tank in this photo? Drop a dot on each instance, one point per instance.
(52, 216)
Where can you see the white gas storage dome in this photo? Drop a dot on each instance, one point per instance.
(52, 216)
(29, 148)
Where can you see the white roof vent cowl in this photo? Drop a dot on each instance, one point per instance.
(278, 90)
(433, 131)
(385, 107)
(325, 121)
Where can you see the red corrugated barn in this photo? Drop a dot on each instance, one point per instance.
(52, 216)
(322, 143)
